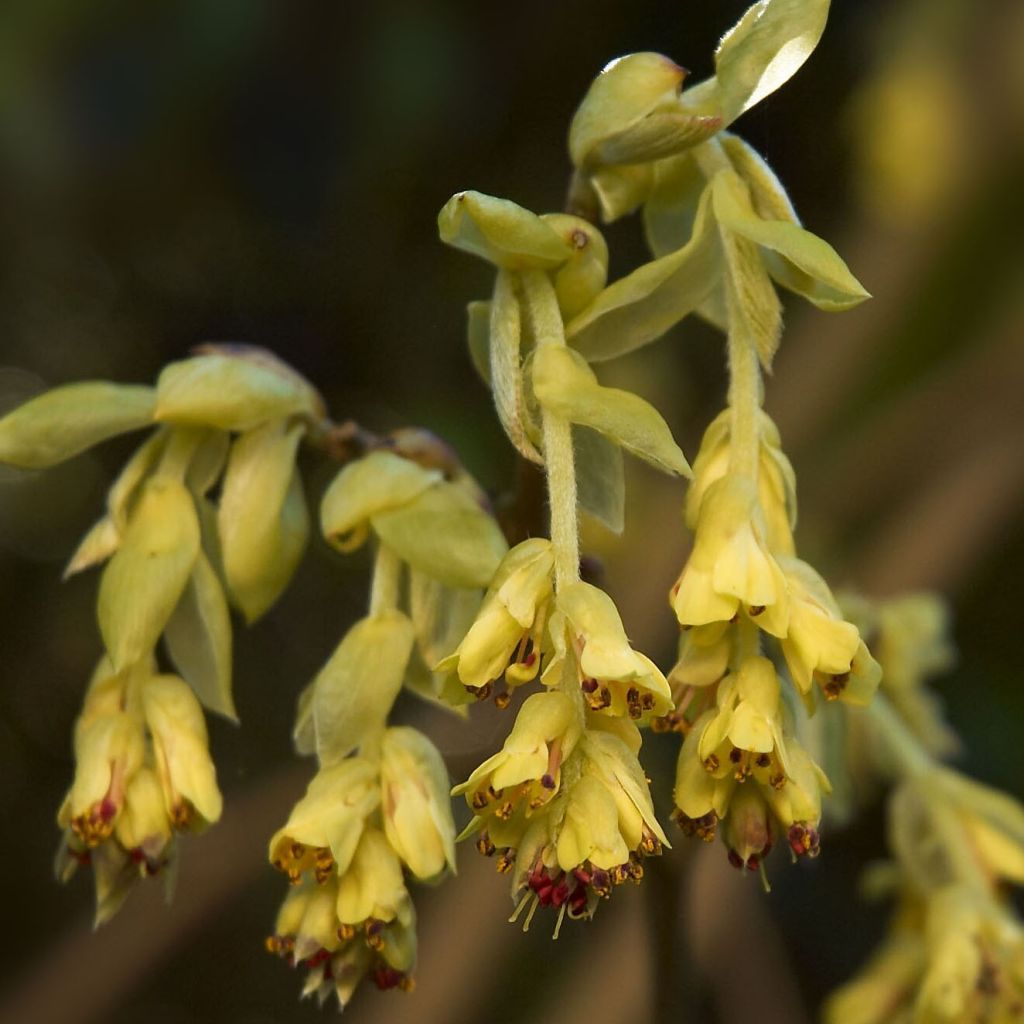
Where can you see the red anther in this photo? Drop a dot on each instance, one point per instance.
(547, 780)
(386, 977)
(736, 860)
(317, 958)
(530, 660)
(539, 878)
(588, 685)
(82, 856)
(559, 894)
(578, 902)
(804, 840)
(582, 876)
(107, 808)
(137, 855)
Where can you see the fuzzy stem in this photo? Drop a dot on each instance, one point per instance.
(745, 394)
(745, 387)
(546, 319)
(387, 577)
(908, 756)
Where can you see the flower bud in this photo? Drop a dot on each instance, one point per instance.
(416, 805)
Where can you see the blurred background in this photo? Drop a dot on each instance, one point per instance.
(173, 173)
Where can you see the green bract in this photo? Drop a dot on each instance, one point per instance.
(565, 384)
(641, 306)
(145, 579)
(353, 693)
(232, 392)
(198, 637)
(761, 52)
(262, 520)
(69, 419)
(626, 92)
(446, 534)
(364, 489)
(500, 232)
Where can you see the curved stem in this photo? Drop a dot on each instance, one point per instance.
(387, 578)
(909, 757)
(546, 319)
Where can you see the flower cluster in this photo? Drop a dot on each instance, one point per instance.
(955, 948)
(143, 772)
(565, 803)
(379, 805)
(349, 914)
(226, 421)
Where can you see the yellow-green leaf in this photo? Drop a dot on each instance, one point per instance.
(478, 334)
(67, 420)
(795, 258)
(231, 392)
(621, 189)
(261, 540)
(657, 136)
(354, 691)
(446, 534)
(566, 386)
(501, 232)
(506, 367)
(640, 307)
(626, 91)
(816, 270)
(143, 582)
(671, 208)
(600, 479)
(760, 53)
(363, 489)
(198, 639)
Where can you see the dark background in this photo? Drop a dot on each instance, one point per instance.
(271, 172)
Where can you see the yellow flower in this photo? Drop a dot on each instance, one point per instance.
(731, 566)
(371, 889)
(608, 757)
(743, 745)
(337, 955)
(511, 785)
(615, 679)
(819, 645)
(589, 839)
(508, 639)
(109, 750)
(415, 803)
(744, 738)
(178, 731)
(324, 828)
(776, 481)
